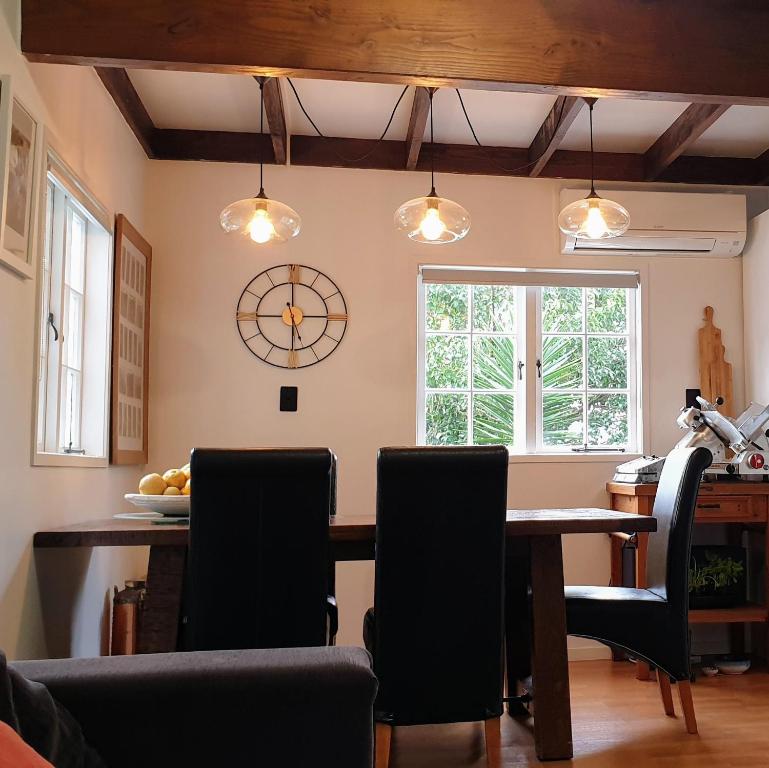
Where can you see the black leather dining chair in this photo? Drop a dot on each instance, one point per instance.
(436, 629)
(258, 559)
(652, 623)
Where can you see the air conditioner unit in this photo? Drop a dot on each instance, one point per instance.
(669, 224)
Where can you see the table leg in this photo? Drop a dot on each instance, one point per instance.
(552, 707)
(160, 617)
(642, 668)
(517, 623)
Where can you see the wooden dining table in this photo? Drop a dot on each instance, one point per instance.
(352, 537)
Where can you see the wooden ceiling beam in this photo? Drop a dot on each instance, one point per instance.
(123, 93)
(689, 126)
(420, 111)
(762, 163)
(213, 146)
(563, 48)
(552, 131)
(276, 118)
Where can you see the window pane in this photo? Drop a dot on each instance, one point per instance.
(446, 307)
(74, 329)
(607, 419)
(494, 308)
(446, 419)
(562, 362)
(76, 256)
(607, 310)
(562, 419)
(70, 426)
(493, 419)
(562, 310)
(494, 362)
(447, 361)
(607, 362)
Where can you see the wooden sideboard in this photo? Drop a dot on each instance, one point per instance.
(742, 506)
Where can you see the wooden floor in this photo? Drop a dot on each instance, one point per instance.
(618, 723)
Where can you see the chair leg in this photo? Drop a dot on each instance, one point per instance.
(383, 734)
(666, 693)
(493, 742)
(685, 694)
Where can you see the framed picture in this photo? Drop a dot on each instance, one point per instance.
(130, 345)
(20, 143)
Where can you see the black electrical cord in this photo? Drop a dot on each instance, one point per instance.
(322, 135)
(520, 167)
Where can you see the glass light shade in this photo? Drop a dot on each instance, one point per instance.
(432, 219)
(261, 219)
(594, 218)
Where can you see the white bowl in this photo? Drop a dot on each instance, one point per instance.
(733, 667)
(172, 506)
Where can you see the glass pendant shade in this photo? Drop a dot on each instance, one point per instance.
(432, 219)
(594, 218)
(261, 219)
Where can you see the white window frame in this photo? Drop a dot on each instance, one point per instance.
(85, 204)
(529, 401)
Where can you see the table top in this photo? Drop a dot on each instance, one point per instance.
(110, 532)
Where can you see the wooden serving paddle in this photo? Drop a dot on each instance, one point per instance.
(715, 372)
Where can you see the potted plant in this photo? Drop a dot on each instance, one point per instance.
(717, 577)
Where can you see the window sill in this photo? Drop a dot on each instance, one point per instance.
(571, 457)
(68, 460)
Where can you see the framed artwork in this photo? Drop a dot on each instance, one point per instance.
(20, 143)
(130, 345)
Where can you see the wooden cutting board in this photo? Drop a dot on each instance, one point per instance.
(715, 372)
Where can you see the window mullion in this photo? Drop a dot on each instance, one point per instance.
(470, 381)
(533, 335)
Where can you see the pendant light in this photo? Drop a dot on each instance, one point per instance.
(432, 219)
(260, 218)
(594, 217)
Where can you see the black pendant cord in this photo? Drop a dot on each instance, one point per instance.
(261, 131)
(349, 160)
(432, 149)
(511, 171)
(592, 153)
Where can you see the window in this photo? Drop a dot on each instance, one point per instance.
(74, 325)
(543, 362)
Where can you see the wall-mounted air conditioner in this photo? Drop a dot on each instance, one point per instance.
(669, 224)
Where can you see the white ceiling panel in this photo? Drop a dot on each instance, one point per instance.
(349, 109)
(739, 132)
(198, 101)
(500, 118)
(622, 125)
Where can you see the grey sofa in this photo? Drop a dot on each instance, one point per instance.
(288, 708)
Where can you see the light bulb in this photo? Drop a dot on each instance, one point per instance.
(260, 227)
(432, 226)
(595, 225)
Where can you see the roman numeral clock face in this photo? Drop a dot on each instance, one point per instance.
(292, 316)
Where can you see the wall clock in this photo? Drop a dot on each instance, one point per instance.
(291, 316)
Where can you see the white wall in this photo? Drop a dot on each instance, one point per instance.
(207, 389)
(92, 137)
(755, 279)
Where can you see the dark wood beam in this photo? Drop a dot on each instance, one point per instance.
(214, 146)
(276, 119)
(689, 126)
(762, 163)
(552, 131)
(506, 161)
(120, 87)
(642, 49)
(420, 109)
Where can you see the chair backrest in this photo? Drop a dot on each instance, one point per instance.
(257, 568)
(667, 565)
(439, 583)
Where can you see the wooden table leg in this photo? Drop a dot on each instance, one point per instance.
(642, 668)
(160, 616)
(550, 669)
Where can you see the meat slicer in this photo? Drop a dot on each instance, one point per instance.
(740, 446)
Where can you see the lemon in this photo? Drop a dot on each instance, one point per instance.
(172, 490)
(175, 477)
(152, 485)
(187, 490)
(186, 470)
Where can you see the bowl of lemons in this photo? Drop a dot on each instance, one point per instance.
(167, 494)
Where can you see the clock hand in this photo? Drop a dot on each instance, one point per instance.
(294, 326)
